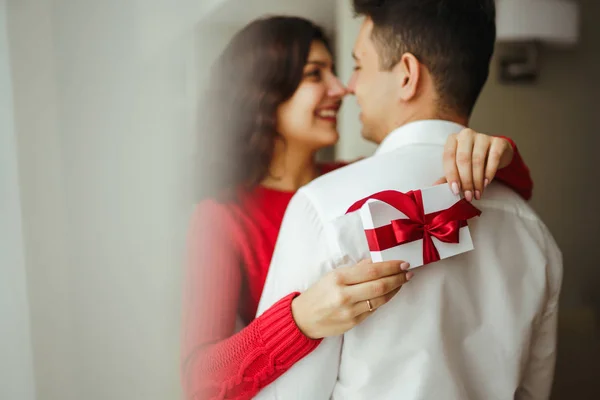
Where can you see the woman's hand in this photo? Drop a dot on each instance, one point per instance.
(471, 161)
(338, 301)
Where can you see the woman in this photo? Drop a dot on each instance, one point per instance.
(270, 110)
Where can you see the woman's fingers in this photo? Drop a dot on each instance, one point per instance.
(377, 288)
(480, 154)
(501, 152)
(366, 271)
(507, 152)
(449, 160)
(471, 161)
(464, 154)
(361, 309)
(441, 181)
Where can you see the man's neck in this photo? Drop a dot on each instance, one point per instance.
(401, 120)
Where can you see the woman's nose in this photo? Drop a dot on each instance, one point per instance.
(336, 88)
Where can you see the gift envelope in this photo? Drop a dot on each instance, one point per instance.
(419, 227)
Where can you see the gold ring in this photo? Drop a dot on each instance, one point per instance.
(370, 306)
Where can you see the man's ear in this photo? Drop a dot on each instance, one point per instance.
(408, 75)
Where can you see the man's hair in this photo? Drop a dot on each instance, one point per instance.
(454, 39)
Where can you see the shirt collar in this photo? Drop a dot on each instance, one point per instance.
(431, 131)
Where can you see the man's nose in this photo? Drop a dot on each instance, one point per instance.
(351, 84)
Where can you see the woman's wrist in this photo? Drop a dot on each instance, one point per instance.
(299, 317)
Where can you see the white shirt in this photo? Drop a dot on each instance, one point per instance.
(480, 325)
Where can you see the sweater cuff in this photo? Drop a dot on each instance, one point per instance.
(280, 333)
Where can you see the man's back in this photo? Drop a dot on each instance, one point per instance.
(480, 325)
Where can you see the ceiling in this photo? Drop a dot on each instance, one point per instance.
(237, 13)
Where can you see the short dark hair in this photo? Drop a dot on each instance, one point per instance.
(454, 39)
(261, 68)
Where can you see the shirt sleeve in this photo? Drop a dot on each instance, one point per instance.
(218, 363)
(302, 256)
(539, 371)
(516, 175)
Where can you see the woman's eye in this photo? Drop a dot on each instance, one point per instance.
(314, 74)
(356, 67)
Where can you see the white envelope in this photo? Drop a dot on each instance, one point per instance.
(375, 214)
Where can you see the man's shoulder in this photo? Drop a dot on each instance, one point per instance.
(341, 174)
(511, 213)
(503, 199)
(333, 193)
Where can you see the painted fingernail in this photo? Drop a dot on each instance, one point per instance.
(409, 275)
(486, 182)
(404, 266)
(469, 196)
(455, 189)
(478, 195)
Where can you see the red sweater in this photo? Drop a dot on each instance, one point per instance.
(230, 249)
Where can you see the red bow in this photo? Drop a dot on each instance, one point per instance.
(444, 225)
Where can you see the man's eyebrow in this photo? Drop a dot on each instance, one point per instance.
(354, 56)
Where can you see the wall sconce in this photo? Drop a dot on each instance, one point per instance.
(528, 25)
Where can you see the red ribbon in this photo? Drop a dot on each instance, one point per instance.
(443, 225)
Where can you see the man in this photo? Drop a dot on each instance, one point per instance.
(481, 325)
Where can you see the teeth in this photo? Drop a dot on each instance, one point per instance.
(327, 113)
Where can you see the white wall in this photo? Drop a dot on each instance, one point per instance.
(105, 101)
(104, 104)
(351, 145)
(239, 13)
(16, 363)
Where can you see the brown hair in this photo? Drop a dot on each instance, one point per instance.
(454, 39)
(261, 68)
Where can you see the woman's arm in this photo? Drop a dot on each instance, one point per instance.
(216, 363)
(516, 174)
